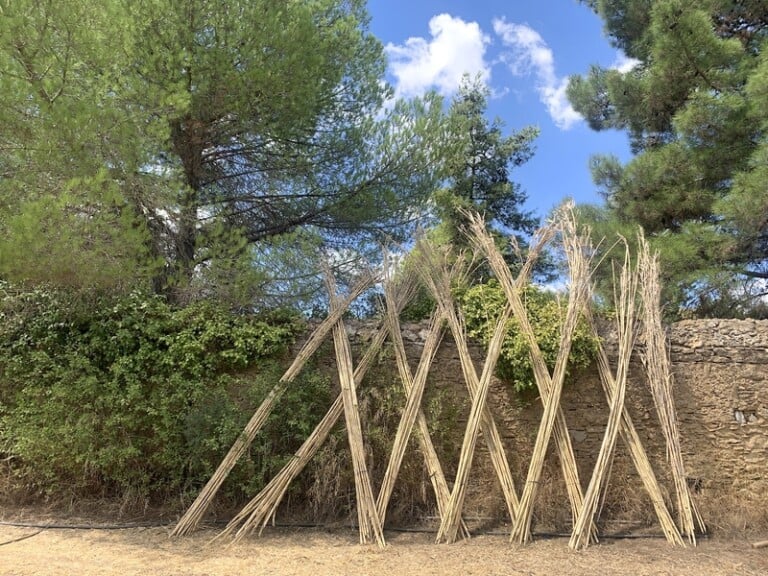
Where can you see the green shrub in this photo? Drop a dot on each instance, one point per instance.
(130, 395)
(482, 305)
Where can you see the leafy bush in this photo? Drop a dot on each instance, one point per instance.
(130, 395)
(482, 305)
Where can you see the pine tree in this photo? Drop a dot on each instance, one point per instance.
(694, 109)
(479, 170)
(216, 126)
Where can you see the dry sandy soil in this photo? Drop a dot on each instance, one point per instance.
(149, 551)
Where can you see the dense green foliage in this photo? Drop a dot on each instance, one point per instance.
(694, 107)
(132, 396)
(482, 304)
(164, 165)
(151, 143)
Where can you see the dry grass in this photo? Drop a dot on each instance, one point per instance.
(733, 515)
(628, 505)
(316, 552)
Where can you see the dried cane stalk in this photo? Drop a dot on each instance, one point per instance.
(197, 510)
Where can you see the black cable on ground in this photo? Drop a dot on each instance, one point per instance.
(20, 538)
(401, 529)
(85, 526)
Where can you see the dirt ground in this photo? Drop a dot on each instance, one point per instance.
(149, 551)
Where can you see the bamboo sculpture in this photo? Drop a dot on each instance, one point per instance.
(439, 272)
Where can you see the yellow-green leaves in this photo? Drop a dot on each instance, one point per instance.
(481, 306)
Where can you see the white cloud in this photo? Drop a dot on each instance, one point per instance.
(624, 63)
(531, 55)
(456, 48)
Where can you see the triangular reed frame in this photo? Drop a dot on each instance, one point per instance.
(438, 271)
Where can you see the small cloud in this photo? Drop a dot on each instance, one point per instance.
(531, 55)
(456, 48)
(499, 93)
(624, 63)
(556, 101)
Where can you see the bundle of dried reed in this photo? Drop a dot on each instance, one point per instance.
(368, 519)
(549, 385)
(440, 275)
(658, 370)
(191, 519)
(258, 512)
(634, 444)
(625, 295)
(412, 414)
(263, 507)
(450, 523)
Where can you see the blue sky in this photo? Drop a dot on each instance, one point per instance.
(525, 50)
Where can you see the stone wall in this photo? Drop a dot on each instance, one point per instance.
(721, 393)
(721, 372)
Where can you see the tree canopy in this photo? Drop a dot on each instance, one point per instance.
(161, 141)
(694, 107)
(478, 170)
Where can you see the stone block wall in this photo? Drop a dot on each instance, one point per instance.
(721, 372)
